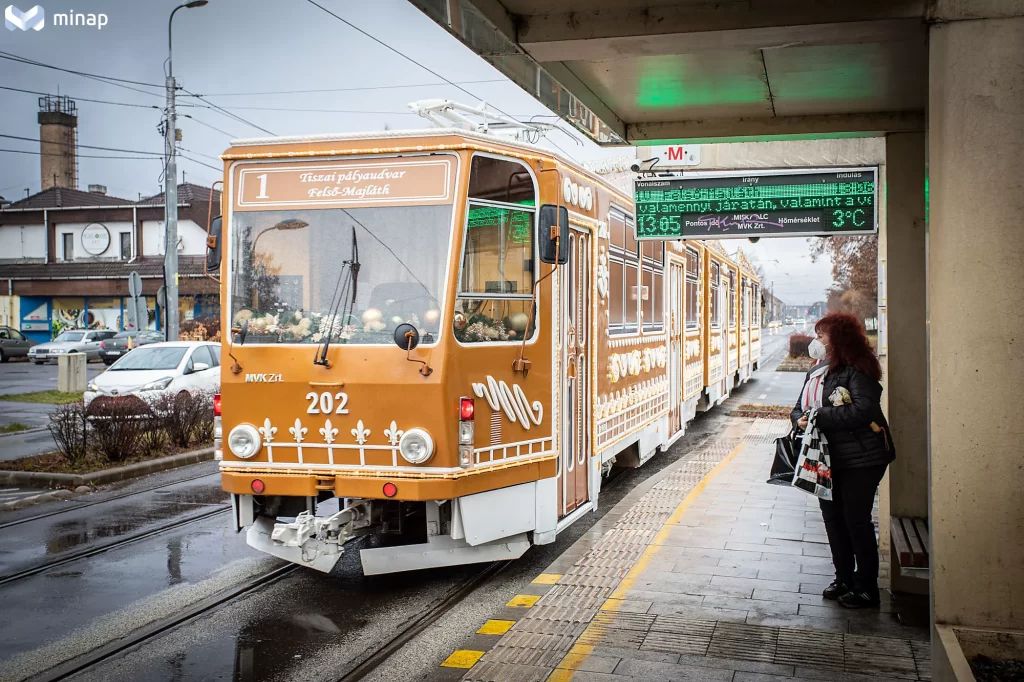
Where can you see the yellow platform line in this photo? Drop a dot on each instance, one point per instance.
(578, 655)
(547, 579)
(523, 600)
(495, 627)
(462, 658)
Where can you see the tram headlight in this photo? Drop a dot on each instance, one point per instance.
(244, 441)
(416, 446)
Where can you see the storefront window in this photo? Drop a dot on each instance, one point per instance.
(68, 313)
(103, 313)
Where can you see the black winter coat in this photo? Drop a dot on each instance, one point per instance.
(853, 444)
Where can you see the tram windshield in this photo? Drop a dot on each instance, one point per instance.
(353, 274)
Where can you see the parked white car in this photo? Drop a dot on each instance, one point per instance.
(160, 369)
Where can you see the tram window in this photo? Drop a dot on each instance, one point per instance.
(716, 301)
(625, 276)
(632, 298)
(500, 180)
(617, 227)
(692, 284)
(744, 303)
(616, 288)
(653, 309)
(652, 262)
(732, 299)
(499, 251)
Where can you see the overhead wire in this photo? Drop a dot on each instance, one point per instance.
(83, 156)
(110, 80)
(82, 146)
(354, 89)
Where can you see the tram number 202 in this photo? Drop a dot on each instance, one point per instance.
(326, 403)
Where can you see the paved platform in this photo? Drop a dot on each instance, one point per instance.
(706, 573)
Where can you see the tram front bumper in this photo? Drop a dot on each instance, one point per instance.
(305, 484)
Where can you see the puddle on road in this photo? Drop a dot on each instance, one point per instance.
(67, 535)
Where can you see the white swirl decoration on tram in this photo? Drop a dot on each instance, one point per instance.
(512, 401)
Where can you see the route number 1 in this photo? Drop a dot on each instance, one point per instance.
(263, 186)
(324, 403)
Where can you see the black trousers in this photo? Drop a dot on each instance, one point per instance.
(851, 535)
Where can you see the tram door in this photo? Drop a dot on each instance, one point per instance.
(675, 350)
(574, 292)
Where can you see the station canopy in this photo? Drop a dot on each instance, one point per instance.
(626, 72)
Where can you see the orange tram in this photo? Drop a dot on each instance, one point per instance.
(442, 340)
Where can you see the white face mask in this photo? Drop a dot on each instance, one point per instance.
(816, 350)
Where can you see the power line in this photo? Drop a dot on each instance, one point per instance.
(357, 89)
(201, 163)
(81, 156)
(330, 111)
(202, 123)
(83, 99)
(398, 52)
(205, 156)
(109, 80)
(82, 146)
(226, 112)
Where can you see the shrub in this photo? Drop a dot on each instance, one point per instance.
(186, 419)
(119, 431)
(798, 344)
(68, 427)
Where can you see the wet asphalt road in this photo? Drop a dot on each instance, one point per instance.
(305, 626)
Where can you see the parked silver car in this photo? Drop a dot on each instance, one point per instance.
(71, 341)
(13, 344)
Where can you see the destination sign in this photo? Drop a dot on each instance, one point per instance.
(758, 204)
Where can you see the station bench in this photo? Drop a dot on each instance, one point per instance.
(910, 544)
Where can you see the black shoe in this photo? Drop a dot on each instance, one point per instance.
(835, 590)
(860, 600)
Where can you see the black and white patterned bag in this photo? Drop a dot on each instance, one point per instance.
(813, 466)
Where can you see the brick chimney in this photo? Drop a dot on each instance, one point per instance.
(58, 141)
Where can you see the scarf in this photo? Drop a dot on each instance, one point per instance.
(811, 397)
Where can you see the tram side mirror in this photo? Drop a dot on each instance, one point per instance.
(213, 247)
(406, 336)
(553, 232)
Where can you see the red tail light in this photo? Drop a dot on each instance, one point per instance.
(390, 489)
(103, 344)
(257, 486)
(216, 405)
(466, 409)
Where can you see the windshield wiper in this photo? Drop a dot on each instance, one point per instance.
(343, 298)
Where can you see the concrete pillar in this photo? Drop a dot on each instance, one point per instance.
(976, 320)
(907, 382)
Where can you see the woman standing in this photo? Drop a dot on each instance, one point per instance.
(844, 387)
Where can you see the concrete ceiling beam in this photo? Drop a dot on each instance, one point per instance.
(782, 127)
(621, 21)
(773, 37)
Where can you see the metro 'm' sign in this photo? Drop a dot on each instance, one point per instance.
(676, 154)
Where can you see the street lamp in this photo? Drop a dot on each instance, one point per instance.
(171, 188)
(286, 224)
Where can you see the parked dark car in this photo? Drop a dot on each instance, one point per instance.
(122, 342)
(13, 344)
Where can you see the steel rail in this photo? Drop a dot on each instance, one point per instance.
(120, 542)
(420, 622)
(65, 510)
(108, 651)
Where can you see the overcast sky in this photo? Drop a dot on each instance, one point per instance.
(231, 47)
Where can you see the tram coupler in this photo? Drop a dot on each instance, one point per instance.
(309, 540)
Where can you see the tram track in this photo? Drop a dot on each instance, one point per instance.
(120, 542)
(113, 498)
(420, 622)
(157, 628)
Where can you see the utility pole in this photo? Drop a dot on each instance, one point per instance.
(171, 189)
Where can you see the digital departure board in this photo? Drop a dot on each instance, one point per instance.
(758, 204)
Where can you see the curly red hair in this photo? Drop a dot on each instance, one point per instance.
(848, 344)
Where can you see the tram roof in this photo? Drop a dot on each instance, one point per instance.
(420, 133)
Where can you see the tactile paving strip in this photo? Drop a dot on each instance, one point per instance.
(765, 431)
(543, 636)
